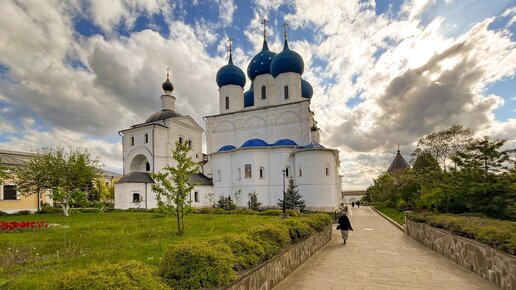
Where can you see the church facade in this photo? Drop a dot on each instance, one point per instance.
(259, 139)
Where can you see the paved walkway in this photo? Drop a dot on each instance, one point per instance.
(379, 256)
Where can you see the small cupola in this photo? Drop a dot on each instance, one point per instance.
(306, 89)
(287, 60)
(230, 74)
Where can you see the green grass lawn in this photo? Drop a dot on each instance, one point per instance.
(395, 214)
(29, 258)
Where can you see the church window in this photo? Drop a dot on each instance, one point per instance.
(132, 141)
(247, 169)
(262, 172)
(136, 197)
(287, 169)
(239, 175)
(180, 140)
(196, 196)
(147, 166)
(146, 138)
(218, 175)
(300, 172)
(264, 93)
(327, 170)
(285, 92)
(190, 143)
(10, 192)
(227, 103)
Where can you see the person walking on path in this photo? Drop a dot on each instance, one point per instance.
(358, 204)
(353, 204)
(344, 226)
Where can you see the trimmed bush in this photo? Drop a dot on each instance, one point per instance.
(3, 213)
(246, 251)
(124, 275)
(23, 212)
(272, 212)
(194, 264)
(495, 233)
(272, 237)
(317, 221)
(298, 230)
(292, 212)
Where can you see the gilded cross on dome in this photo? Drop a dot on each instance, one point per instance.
(284, 26)
(264, 23)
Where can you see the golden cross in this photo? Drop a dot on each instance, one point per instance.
(167, 71)
(264, 23)
(284, 25)
(230, 40)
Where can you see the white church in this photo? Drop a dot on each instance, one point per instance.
(259, 139)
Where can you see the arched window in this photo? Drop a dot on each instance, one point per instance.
(218, 175)
(239, 173)
(264, 93)
(327, 170)
(262, 172)
(285, 92)
(180, 140)
(132, 141)
(147, 166)
(146, 138)
(196, 196)
(190, 143)
(300, 172)
(227, 103)
(287, 171)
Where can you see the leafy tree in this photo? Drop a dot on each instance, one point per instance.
(384, 190)
(173, 185)
(3, 173)
(292, 197)
(486, 155)
(253, 202)
(425, 163)
(100, 191)
(63, 172)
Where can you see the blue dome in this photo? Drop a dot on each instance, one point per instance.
(285, 142)
(255, 143)
(230, 74)
(313, 145)
(226, 148)
(306, 89)
(249, 97)
(287, 61)
(261, 63)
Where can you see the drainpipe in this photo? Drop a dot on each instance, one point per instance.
(146, 205)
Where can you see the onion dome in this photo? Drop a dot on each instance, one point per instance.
(167, 85)
(261, 63)
(162, 115)
(313, 145)
(287, 61)
(230, 74)
(306, 89)
(249, 97)
(226, 148)
(255, 143)
(285, 142)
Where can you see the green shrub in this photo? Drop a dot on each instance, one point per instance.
(292, 212)
(244, 211)
(48, 209)
(273, 237)
(272, 212)
(496, 233)
(3, 213)
(298, 230)
(197, 264)
(124, 275)
(247, 252)
(209, 210)
(317, 221)
(138, 209)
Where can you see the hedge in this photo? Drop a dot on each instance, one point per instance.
(247, 252)
(129, 275)
(500, 234)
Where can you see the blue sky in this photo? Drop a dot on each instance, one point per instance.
(77, 72)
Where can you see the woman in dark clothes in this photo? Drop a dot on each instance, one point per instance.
(344, 226)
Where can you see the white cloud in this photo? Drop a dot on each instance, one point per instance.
(226, 10)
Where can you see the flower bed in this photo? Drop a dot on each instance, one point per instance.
(22, 226)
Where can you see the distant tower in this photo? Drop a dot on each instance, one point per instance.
(398, 165)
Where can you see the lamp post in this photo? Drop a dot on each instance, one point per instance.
(284, 201)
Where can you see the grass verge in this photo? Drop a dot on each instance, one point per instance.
(395, 214)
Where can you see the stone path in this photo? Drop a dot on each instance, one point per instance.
(379, 256)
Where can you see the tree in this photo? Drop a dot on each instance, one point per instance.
(173, 185)
(253, 202)
(3, 173)
(64, 173)
(426, 164)
(100, 192)
(292, 197)
(486, 155)
(226, 203)
(444, 144)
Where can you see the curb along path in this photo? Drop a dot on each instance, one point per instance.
(379, 256)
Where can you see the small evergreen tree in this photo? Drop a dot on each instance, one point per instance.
(292, 197)
(173, 185)
(253, 202)
(226, 203)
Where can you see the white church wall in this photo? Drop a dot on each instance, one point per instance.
(124, 196)
(235, 95)
(203, 199)
(270, 94)
(293, 82)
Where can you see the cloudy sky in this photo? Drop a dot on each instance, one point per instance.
(384, 72)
